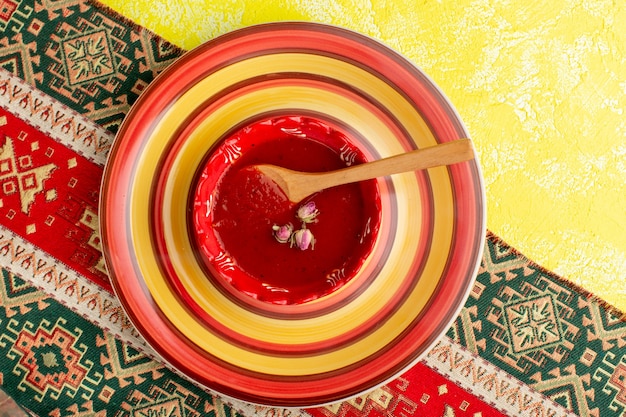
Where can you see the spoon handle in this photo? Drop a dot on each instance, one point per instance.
(442, 154)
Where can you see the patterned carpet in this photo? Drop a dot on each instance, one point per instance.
(526, 343)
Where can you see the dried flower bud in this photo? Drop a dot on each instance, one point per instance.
(304, 238)
(282, 233)
(308, 212)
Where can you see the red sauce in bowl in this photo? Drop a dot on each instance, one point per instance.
(235, 209)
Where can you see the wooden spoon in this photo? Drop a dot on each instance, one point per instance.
(299, 185)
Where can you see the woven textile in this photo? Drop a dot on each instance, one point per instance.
(526, 343)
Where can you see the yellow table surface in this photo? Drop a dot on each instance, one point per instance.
(541, 87)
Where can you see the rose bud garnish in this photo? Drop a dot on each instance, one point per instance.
(304, 238)
(308, 212)
(283, 233)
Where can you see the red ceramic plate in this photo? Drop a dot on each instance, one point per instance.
(344, 342)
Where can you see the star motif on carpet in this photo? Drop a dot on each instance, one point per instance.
(19, 176)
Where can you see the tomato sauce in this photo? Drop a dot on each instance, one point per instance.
(235, 209)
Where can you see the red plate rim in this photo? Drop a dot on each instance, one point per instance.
(359, 50)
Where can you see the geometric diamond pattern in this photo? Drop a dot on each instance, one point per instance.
(83, 56)
(532, 323)
(87, 57)
(49, 360)
(545, 332)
